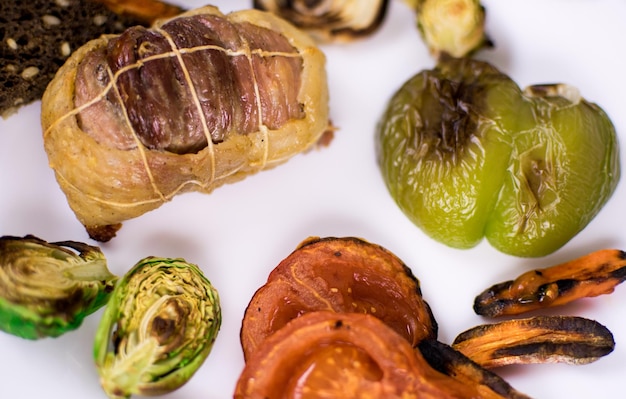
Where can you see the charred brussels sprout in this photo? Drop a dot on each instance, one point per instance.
(452, 27)
(157, 330)
(466, 154)
(47, 289)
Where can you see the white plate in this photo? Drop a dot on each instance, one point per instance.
(240, 232)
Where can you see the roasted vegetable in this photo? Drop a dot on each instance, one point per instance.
(591, 275)
(201, 100)
(47, 289)
(466, 155)
(341, 275)
(541, 339)
(158, 328)
(453, 363)
(330, 20)
(451, 27)
(324, 354)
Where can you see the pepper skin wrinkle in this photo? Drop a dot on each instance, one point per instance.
(189, 104)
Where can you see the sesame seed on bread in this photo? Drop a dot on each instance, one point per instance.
(37, 36)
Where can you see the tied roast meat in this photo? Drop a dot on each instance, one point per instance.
(190, 104)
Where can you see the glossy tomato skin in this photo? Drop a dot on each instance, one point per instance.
(350, 355)
(467, 155)
(339, 274)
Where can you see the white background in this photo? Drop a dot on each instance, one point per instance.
(242, 231)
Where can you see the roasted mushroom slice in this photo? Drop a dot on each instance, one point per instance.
(324, 354)
(597, 273)
(157, 329)
(342, 275)
(330, 20)
(451, 362)
(195, 102)
(47, 289)
(540, 339)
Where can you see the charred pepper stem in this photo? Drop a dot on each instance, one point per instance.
(47, 289)
(157, 329)
(541, 339)
(597, 273)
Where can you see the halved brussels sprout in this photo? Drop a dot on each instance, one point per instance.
(158, 328)
(47, 289)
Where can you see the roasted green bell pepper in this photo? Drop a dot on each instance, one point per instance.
(466, 154)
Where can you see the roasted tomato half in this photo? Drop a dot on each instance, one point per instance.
(325, 354)
(343, 275)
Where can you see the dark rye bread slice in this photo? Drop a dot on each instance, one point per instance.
(37, 36)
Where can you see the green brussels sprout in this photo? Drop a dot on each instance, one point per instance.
(451, 27)
(466, 155)
(157, 329)
(47, 289)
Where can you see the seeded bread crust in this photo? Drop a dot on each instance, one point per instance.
(37, 36)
